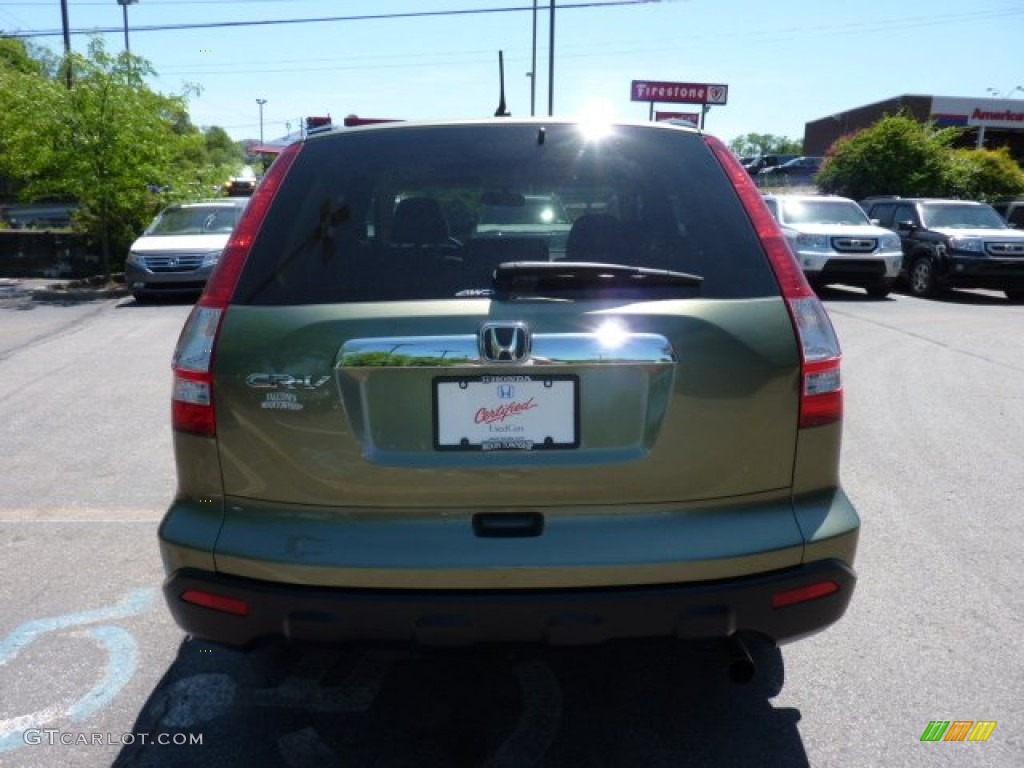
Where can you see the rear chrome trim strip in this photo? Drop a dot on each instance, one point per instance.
(546, 349)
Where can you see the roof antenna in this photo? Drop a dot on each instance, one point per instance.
(502, 110)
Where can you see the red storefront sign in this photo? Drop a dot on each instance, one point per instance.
(692, 117)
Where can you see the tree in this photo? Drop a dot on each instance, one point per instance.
(896, 156)
(19, 56)
(220, 149)
(109, 142)
(765, 144)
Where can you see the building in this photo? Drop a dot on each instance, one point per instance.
(990, 122)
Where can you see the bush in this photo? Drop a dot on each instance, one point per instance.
(983, 174)
(895, 156)
(900, 156)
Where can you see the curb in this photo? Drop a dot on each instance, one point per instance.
(60, 293)
(43, 289)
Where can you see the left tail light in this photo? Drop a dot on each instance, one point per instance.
(192, 399)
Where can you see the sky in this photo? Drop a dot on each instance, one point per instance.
(785, 63)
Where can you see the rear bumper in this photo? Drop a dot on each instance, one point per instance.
(704, 610)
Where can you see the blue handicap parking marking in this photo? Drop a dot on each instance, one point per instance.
(122, 660)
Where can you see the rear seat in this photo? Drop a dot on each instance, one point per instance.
(483, 254)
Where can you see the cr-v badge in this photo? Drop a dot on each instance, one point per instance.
(285, 381)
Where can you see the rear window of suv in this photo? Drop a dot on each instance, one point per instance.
(393, 213)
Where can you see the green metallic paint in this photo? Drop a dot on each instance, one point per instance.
(188, 534)
(721, 424)
(581, 546)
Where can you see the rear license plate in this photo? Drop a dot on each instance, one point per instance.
(506, 413)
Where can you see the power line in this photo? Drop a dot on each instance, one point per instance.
(322, 19)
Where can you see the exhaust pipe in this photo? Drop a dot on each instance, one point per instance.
(738, 661)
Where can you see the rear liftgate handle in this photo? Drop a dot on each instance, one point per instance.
(499, 525)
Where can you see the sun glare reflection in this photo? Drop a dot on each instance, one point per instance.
(596, 119)
(611, 334)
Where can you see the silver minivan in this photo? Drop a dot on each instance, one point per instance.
(180, 248)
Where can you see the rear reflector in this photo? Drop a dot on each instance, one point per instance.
(216, 602)
(804, 594)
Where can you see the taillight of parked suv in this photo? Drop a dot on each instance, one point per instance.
(821, 397)
(192, 407)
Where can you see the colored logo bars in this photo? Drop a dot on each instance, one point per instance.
(958, 730)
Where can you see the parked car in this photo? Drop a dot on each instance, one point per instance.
(384, 435)
(953, 244)
(836, 243)
(38, 215)
(758, 163)
(799, 169)
(512, 214)
(240, 186)
(180, 248)
(1012, 211)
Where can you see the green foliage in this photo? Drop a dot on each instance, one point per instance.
(900, 156)
(765, 144)
(121, 150)
(389, 359)
(983, 174)
(896, 156)
(16, 55)
(220, 150)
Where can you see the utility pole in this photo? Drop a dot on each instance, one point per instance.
(67, 41)
(124, 8)
(533, 65)
(551, 62)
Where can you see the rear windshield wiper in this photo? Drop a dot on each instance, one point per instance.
(535, 277)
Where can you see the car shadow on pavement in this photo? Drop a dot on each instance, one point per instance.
(838, 293)
(627, 704)
(952, 296)
(132, 303)
(976, 297)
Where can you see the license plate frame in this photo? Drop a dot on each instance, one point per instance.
(501, 413)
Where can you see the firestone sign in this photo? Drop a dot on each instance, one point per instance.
(679, 93)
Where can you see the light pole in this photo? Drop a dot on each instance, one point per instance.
(1008, 94)
(261, 102)
(124, 7)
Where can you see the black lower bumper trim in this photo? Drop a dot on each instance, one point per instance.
(557, 616)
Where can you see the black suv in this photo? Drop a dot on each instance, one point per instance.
(953, 244)
(759, 163)
(1012, 210)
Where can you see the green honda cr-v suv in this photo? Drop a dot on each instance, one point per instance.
(391, 426)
